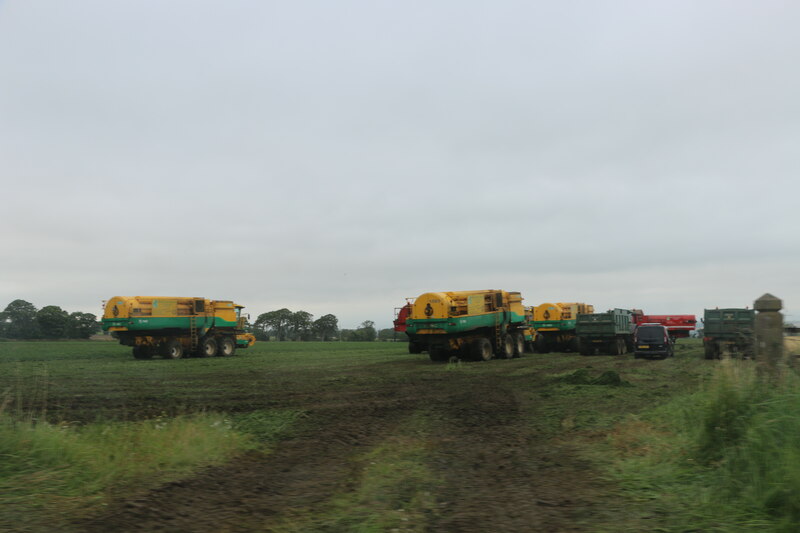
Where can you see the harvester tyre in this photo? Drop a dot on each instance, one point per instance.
(540, 344)
(481, 349)
(226, 347)
(142, 352)
(519, 344)
(208, 347)
(172, 349)
(437, 354)
(506, 348)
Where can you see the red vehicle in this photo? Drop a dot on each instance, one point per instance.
(401, 313)
(678, 326)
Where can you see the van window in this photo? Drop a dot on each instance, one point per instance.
(650, 334)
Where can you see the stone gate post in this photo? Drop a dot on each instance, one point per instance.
(769, 335)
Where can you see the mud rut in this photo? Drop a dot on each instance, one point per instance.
(499, 474)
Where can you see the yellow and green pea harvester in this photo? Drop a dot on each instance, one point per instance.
(173, 327)
(473, 325)
(555, 326)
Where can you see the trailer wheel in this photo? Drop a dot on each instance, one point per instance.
(709, 351)
(481, 349)
(519, 344)
(226, 347)
(208, 347)
(584, 347)
(172, 349)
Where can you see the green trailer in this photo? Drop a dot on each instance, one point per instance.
(728, 331)
(610, 332)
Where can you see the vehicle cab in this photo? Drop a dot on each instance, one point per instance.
(652, 340)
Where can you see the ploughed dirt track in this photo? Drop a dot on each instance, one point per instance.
(503, 442)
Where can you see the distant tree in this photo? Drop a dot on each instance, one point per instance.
(300, 325)
(276, 321)
(53, 322)
(326, 327)
(365, 332)
(389, 334)
(82, 325)
(19, 319)
(347, 335)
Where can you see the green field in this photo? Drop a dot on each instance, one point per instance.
(297, 436)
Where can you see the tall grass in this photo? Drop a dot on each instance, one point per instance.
(726, 458)
(50, 472)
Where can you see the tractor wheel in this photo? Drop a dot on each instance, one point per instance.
(519, 344)
(208, 347)
(172, 349)
(226, 347)
(482, 349)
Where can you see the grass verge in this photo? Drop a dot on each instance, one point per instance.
(51, 475)
(725, 458)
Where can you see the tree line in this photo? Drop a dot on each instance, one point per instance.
(286, 325)
(21, 320)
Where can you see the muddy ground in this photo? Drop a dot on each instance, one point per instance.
(508, 446)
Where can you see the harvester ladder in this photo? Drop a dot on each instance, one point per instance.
(193, 332)
(497, 331)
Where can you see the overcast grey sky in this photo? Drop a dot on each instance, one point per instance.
(337, 157)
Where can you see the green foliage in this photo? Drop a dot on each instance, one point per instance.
(19, 320)
(53, 322)
(82, 325)
(283, 324)
(300, 326)
(275, 321)
(326, 327)
(365, 333)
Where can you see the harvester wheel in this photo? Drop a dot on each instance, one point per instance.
(519, 344)
(506, 348)
(208, 347)
(482, 349)
(540, 343)
(437, 354)
(142, 352)
(226, 347)
(172, 349)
